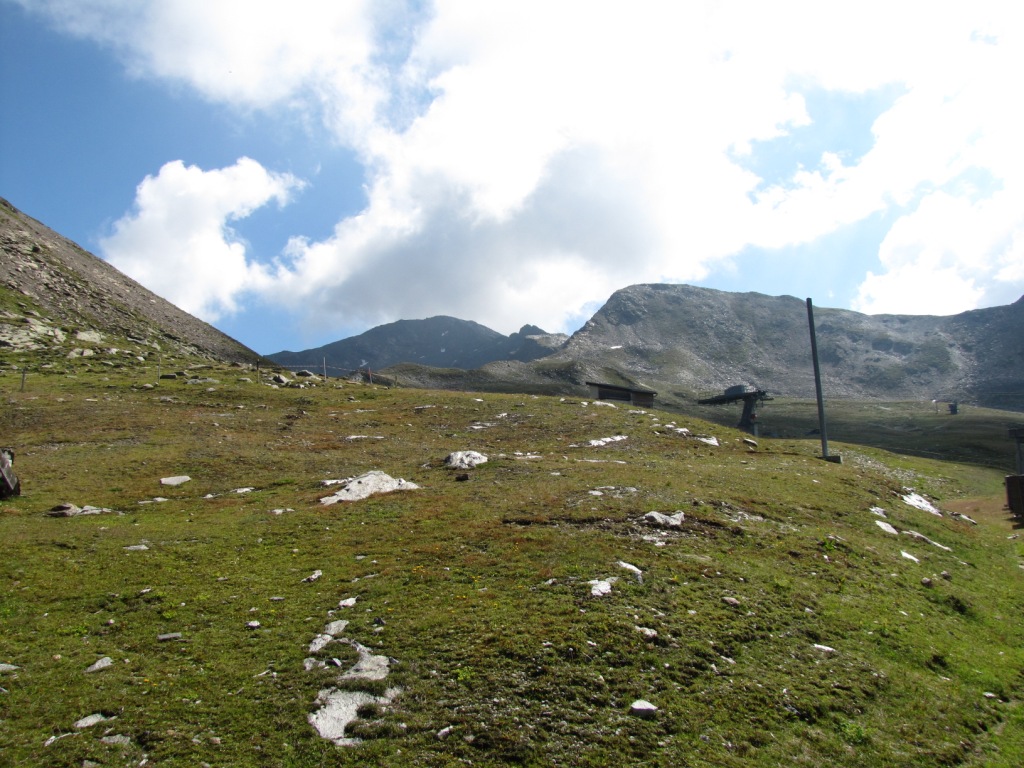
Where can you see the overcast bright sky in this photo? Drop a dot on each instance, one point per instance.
(296, 173)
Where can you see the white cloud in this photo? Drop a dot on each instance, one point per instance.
(178, 241)
(595, 144)
(944, 256)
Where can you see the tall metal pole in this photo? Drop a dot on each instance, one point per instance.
(817, 382)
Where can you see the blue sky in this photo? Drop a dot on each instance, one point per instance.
(298, 176)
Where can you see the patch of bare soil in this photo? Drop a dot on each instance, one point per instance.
(989, 509)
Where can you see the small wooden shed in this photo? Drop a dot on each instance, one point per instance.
(638, 396)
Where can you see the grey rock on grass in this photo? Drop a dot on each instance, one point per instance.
(643, 709)
(103, 663)
(367, 485)
(464, 459)
(176, 480)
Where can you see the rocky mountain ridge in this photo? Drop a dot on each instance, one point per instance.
(681, 337)
(438, 342)
(54, 293)
(685, 342)
(688, 342)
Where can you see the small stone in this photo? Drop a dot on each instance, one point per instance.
(926, 582)
(909, 556)
(118, 739)
(664, 521)
(90, 721)
(176, 480)
(643, 709)
(103, 663)
(8, 667)
(169, 636)
(320, 642)
(647, 632)
(886, 527)
(65, 510)
(947, 575)
(824, 648)
(918, 501)
(252, 625)
(313, 576)
(731, 601)
(136, 548)
(348, 602)
(444, 733)
(335, 628)
(632, 569)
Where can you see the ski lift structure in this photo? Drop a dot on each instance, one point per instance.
(749, 395)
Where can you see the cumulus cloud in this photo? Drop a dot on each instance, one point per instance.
(524, 159)
(567, 243)
(949, 255)
(179, 243)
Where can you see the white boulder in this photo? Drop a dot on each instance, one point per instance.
(367, 485)
(464, 459)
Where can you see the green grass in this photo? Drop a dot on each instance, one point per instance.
(974, 436)
(479, 590)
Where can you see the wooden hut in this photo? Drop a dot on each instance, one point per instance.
(638, 396)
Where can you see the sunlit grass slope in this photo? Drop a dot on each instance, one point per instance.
(830, 649)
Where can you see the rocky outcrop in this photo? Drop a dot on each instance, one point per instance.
(57, 292)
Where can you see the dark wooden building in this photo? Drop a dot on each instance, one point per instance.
(642, 398)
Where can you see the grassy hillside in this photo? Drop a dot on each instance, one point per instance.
(778, 625)
(975, 435)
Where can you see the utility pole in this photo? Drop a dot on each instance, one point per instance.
(817, 389)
